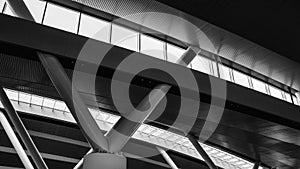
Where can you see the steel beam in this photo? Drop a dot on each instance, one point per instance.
(122, 131)
(201, 151)
(79, 164)
(15, 142)
(256, 165)
(21, 130)
(167, 158)
(20, 9)
(73, 100)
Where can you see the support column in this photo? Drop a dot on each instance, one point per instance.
(15, 142)
(72, 98)
(167, 158)
(201, 151)
(21, 130)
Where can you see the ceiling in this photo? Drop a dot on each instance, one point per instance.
(250, 33)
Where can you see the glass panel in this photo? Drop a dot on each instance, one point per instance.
(288, 97)
(259, 85)
(224, 72)
(295, 100)
(24, 97)
(2, 2)
(61, 18)
(37, 100)
(201, 64)
(48, 103)
(124, 37)
(152, 47)
(275, 92)
(8, 11)
(36, 9)
(214, 68)
(94, 28)
(12, 95)
(59, 105)
(174, 53)
(240, 78)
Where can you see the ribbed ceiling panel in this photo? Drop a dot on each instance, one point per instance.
(205, 35)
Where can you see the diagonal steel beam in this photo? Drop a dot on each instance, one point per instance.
(20, 9)
(202, 152)
(15, 142)
(122, 131)
(21, 130)
(64, 86)
(73, 100)
(167, 158)
(117, 140)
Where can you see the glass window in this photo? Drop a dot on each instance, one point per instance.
(24, 97)
(275, 92)
(224, 72)
(94, 28)
(214, 68)
(36, 9)
(124, 37)
(201, 64)
(2, 2)
(12, 95)
(8, 10)
(59, 105)
(295, 100)
(152, 47)
(48, 103)
(287, 97)
(61, 18)
(37, 100)
(240, 78)
(259, 85)
(174, 53)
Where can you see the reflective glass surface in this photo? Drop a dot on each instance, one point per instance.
(94, 28)
(259, 85)
(124, 37)
(224, 72)
(2, 5)
(152, 47)
(275, 92)
(36, 9)
(174, 53)
(61, 18)
(7, 10)
(201, 64)
(288, 97)
(241, 78)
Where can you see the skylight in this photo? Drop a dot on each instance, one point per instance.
(145, 132)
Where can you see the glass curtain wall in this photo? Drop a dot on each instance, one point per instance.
(79, 23)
